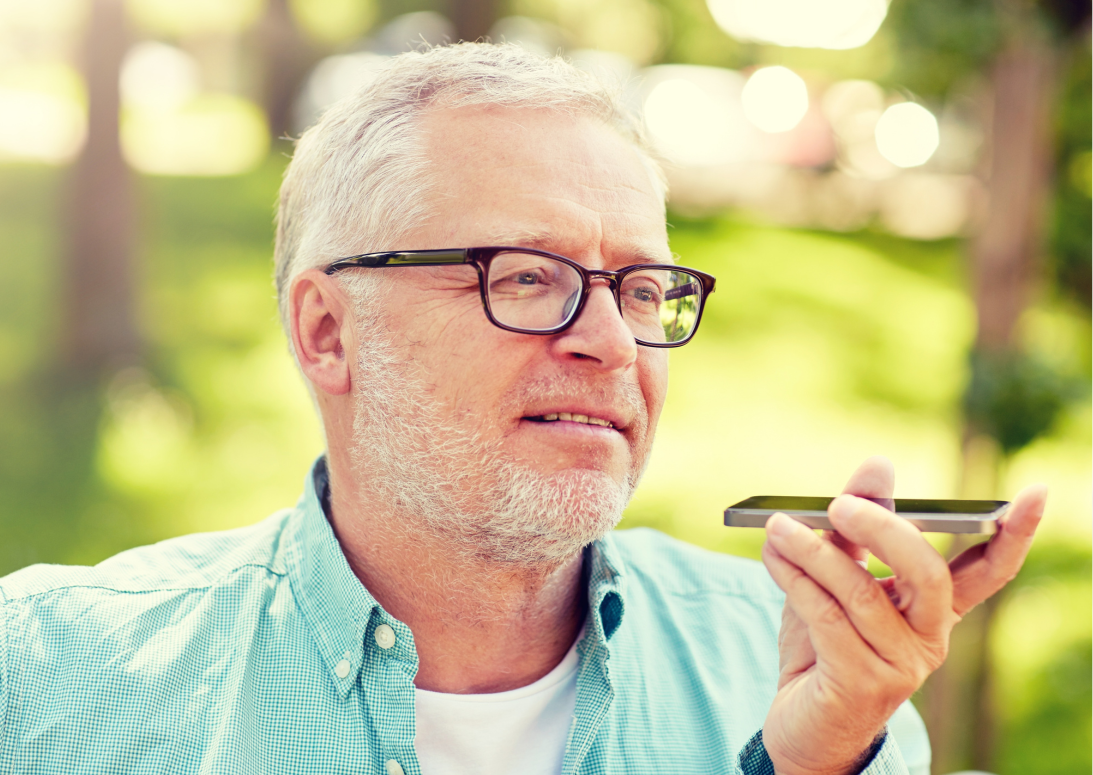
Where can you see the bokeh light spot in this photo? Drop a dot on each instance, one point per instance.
(156, 75)
(212, 134)
(688, 124)
(834, 24)
(775, 99)
(40, 127)
(907, 134)
(170, 17)
(334, 21)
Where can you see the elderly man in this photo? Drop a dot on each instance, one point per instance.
(474, 272)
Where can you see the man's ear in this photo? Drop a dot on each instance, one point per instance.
(322, 330)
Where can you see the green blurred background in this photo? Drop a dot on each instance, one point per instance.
(146, 391)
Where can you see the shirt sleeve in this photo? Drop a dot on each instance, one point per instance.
(911, 736)
(886, 758)
(3, 673)
(754, 759)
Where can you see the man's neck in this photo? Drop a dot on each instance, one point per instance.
(478, 627)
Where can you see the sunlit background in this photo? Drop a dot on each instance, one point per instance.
(895, 199)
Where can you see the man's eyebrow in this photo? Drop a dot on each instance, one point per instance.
(527, 238)
(542, 239)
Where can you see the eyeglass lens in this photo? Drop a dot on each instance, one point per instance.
(536, 293)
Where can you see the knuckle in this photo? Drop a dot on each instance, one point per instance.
(829, 613)
(813, 547)
(919, 676)
(935, 575)
(866, 593)
(907, 679)
(940, 570)
(916, 680)
(921, 663)
(937, 653)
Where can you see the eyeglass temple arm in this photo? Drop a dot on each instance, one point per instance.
(400, 258)
(690, 289)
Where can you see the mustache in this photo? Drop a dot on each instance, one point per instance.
(625, 396)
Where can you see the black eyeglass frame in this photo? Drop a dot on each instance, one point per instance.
(481, 258)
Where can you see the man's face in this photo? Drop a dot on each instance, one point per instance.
(567, 185)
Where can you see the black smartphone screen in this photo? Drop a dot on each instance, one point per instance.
(902, 505)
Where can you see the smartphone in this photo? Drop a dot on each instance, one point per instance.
(929, 516)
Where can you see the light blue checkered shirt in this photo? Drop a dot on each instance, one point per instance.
(255, 651)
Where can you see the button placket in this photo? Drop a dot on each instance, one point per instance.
(388, 665)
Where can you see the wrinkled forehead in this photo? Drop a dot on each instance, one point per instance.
(569, 183)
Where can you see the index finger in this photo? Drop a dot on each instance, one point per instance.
(876, 479)
(922, 578)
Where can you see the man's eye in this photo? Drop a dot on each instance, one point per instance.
(527, 278)
(644, 294)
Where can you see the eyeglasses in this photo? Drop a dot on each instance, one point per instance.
(535, 292)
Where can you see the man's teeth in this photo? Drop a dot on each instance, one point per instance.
(581, 418)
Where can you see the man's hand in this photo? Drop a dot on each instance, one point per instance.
(853, 647)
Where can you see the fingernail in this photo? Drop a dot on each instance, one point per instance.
(844, 506)
(783, 526)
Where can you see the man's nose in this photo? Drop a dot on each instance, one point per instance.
(599, 334)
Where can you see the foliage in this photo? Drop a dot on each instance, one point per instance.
(212, 431)
(334, 21)
(1045, 699)
(1072, 223)
(1014, 397)
(943, 42)
(694, 38)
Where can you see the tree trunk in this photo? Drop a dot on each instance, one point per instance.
(287, 57)
(99, 330)
(1004, 262)
(959, 697)
(473, 18)
(1005, 252)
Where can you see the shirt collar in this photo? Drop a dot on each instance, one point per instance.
(343, 615)
(606, 588)
(336, 605)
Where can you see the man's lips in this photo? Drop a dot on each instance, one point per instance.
(604, 418)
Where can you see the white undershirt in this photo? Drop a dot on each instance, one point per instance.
(520, 731)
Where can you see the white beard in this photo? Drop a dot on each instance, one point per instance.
(454, 485)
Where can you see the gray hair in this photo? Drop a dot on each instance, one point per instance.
(356, 180)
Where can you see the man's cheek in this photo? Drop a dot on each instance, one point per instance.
(653, 376)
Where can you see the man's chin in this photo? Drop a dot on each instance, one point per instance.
(548, 518)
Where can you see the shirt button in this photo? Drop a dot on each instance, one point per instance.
(393, 767)
(342, 668)
(385, 638)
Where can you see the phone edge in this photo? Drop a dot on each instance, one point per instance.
(819, 521)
